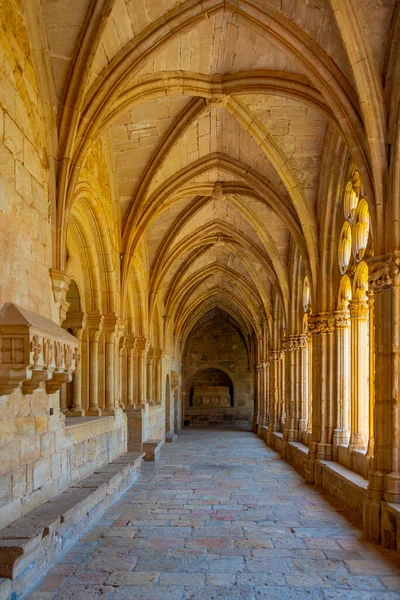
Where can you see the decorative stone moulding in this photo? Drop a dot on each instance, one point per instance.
(34, 349)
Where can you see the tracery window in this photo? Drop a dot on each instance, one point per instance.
(354, 336)
(307, 362)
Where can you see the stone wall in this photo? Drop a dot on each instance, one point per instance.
(25, 212)
(42, 457)
(217, 344)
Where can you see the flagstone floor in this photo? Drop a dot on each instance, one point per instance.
(221, 517)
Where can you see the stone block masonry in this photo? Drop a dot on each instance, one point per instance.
(30, 545)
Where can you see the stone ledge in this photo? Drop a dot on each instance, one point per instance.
(171, 438)
(345, 474)
(300, 447)
(32, 544)
(390, 525)
(151, 449)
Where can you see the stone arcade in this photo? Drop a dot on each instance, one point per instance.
(199, 227)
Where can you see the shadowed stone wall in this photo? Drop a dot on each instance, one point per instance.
(218, 344)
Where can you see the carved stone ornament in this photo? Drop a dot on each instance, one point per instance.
(295, 342)
(321, 323)
(342, 319)
(384, 271)
(34, 349)
(275, 355)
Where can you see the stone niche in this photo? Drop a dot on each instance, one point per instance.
(33, 350)
(211, 396)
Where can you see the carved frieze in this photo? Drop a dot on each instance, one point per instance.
(34, 349)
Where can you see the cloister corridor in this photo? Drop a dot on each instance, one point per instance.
(221, 517)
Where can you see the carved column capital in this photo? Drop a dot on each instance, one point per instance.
(276, 355)
(295, 342)
(77, 321)
(131, 343)
(358, 309)
(142, 345)
(342, 319)
(321, 323)
(110, 326)
(94, 325)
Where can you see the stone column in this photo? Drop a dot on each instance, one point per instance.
(341, 434)
(141, 349)
(293, 347)
(63, 399)
(309, 385)
(257, 399)
(381, 483)
(371, 414)
(158, 376)
(130, 376)
(122, 389)
(359, 374)
(265, 374)
(150, 377)
(322, 327)
(275, 359)
(95, 326)
(110, 330)
(76, 322)
(261, 395)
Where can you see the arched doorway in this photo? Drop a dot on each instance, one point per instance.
(212, 398)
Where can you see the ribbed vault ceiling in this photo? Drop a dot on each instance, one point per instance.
(217, 113)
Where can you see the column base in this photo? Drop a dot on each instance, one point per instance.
(112, 412)
(372, 506)
(75, 412)
(341, 437)
(392, 488)
(357, 441)
(94, 412)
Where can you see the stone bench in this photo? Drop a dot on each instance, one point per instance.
(32, 544)
(171, 437)
(151, 449)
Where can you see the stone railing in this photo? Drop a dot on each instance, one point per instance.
(34, 349)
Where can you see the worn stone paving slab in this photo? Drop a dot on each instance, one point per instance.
(221, 517)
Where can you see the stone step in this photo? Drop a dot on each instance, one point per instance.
(32, 544)
(151, 449)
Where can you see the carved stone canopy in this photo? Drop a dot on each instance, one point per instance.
(34, 349)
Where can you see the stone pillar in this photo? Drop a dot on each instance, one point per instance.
(293, 347)
(76, 322)
(158, 376)
(381, 483)
(110, 330)
(257, 399)
(265, 374)
(63, 399)
(122, 374)
(309, 381)
(322, 328)
(275, 359)
(359, 374)
(95, 326)
(130, 376)
(150, 376)
(141, 349)
(371, 414)
(341, 434)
